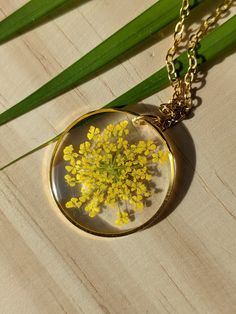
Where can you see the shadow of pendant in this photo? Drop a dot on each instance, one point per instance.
(185, 159)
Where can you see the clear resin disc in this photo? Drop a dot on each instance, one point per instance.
(111, 176)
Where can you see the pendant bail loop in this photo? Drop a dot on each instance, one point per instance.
(174, 111)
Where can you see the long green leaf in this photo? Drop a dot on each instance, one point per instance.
(139, 29)
(27, 16)
(212, 46)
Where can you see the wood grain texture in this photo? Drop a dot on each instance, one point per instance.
(184, 264)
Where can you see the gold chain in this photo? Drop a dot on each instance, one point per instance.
(181, 103)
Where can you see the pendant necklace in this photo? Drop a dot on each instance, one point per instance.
(112, 171)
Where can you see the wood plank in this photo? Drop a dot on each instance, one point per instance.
(184, 264)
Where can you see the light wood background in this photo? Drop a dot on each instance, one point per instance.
(184, 264)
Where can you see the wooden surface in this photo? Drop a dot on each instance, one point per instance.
(184, 264)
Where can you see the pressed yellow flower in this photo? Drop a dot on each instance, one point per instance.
(69, 153)
(163, 157)
(93, 132)
(110, 170)
(92, 210)
(71, 181)
(160, 157)
(84, 148)
(123, 218)
(74, 202)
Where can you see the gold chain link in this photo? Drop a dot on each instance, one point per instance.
(181, 103)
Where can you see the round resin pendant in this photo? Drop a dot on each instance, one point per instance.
(110, 175)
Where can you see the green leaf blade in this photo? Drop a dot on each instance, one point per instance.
(148, 23)
(213, 45)
(26, 16)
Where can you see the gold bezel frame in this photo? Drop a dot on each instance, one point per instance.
(159, 210)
